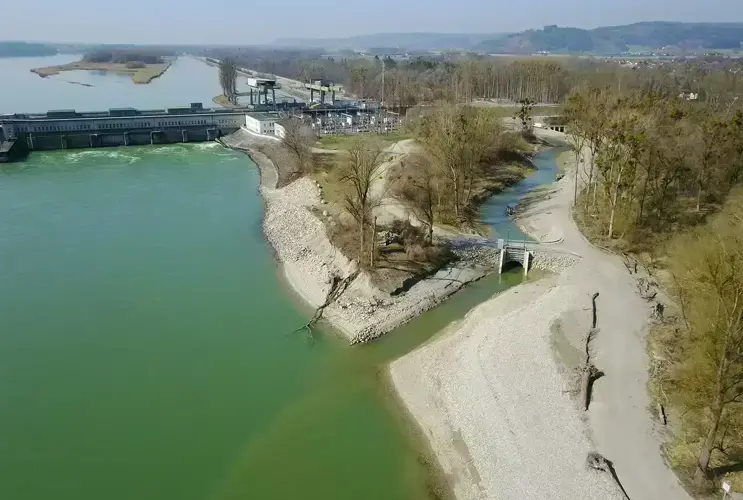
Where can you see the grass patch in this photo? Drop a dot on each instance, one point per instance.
(343, 142)
(327, 172)
(142, 75)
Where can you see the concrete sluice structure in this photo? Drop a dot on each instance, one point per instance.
(67, 129)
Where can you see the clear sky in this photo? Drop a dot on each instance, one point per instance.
(251, 22)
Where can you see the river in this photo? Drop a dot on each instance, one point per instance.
(146, 345)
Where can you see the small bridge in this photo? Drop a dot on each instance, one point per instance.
(514, 252)
(511, 252)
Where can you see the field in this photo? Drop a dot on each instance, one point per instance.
(142, 75)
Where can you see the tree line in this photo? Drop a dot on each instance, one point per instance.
(125, 56)
(662, 175)
(428, 79)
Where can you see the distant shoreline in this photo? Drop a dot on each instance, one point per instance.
(142, 76)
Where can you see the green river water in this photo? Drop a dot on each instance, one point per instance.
(146, 348)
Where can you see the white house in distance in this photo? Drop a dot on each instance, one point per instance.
(261, 123)
(279, 130)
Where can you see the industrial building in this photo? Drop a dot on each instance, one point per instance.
(21, 133)
(263, 123)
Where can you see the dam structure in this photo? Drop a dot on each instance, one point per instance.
(22, 133)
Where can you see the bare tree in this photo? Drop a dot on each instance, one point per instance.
(524, 116)
(419, 190)
(228, 79)
(576, 140)
(360, 171)
(298, 140)
(456, 139)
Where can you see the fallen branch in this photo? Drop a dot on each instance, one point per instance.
(589, 373)
(598, 462)
(630, 263)
(593, 306)
(336, 290)
(662, 414)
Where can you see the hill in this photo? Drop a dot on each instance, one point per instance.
(406, 41)
(643, 36)
(669, 36)
(25, 49)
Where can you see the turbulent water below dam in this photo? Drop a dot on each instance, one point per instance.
(146, 345)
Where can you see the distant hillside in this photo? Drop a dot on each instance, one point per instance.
(406, 41)
(25, 49)
(617, 39)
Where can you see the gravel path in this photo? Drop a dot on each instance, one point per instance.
(493, 395)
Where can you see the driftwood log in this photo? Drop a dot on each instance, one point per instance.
(336, 290)
(598, 462)
(589, 373)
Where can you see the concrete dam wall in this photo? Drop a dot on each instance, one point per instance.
(73, 140)
(68, 129)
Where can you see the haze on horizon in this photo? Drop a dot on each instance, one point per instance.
(197, 22)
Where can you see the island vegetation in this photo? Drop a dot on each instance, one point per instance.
(143, 66)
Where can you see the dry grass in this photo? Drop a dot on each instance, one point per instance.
(286, 165)
(343, 142)
(139, 75)
(327, 172)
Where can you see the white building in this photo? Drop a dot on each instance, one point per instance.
(261, 123)
(279, 130)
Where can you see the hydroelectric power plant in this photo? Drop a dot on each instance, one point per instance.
(21, 133)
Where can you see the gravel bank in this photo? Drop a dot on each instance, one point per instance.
(311, 262)
(493, 403)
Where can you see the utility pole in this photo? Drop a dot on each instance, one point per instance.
(383, 58)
